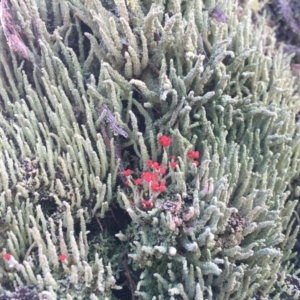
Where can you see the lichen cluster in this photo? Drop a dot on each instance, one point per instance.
(90, 96)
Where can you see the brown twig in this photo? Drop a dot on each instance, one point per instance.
(129, 278)
(99, 223)
(111, 120)
(117, 130)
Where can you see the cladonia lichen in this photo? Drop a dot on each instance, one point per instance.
(145, 152)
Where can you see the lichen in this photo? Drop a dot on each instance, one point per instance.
(104, 88)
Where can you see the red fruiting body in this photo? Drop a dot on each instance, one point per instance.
(155, 165)
(173, 164)
(62, 257)
(162, 188)
(150, 163)
(158, 187)
(149, 176)
(162, 170)
(196, 162)
(138, 181)
(155, 186)
(6, 256)
(127, 172)
(154, 177)
(165, 141)
(146, 205)
(193, 154)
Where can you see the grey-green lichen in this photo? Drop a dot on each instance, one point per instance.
(101, 82)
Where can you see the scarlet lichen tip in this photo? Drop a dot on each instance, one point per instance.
(162, 170)
(146, 205)
(173, 164)
(6, 256)
(162, 188)
(127, 172)
(193, 154)
(158, 187)
(165, 141)
(138, 181)
(149, 176)
(150, 163)
(155, 165)
(62, 257)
